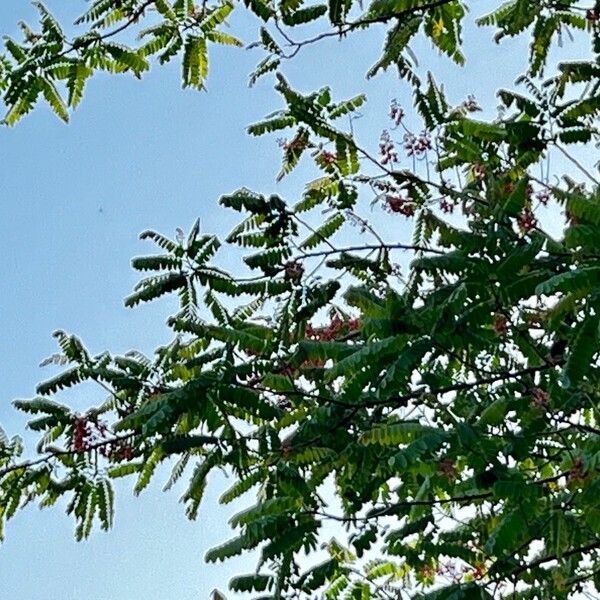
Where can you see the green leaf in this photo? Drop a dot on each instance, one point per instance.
(54, 100)
(585, 345)
(195, 62)
(324, 233)
(338, 10)
(304, 15)
(394, 433)
(251, 583)
(494, 413)
(505, 537)
(583, 278)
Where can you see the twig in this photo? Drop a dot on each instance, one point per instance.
(577, 164)
(351, 26)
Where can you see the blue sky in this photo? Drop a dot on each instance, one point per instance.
(141, 155)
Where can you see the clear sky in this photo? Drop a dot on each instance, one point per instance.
(74, 198)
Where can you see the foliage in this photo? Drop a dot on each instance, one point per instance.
(451, 406)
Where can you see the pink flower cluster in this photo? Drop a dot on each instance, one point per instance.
(397, 204)
(446, 206)
(328, 158)
(470, 104)
(330, 332)
(387, 149)
(86, 434)
(397, 113)
(526, 220)
(417, 145)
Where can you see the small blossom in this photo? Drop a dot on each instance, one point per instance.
(446, 206)
(448, 469)
(417, 145)
(470, 104)
(478, 571)
(424, 141)
(478, 171)
(526, 220)
(286, 448)
(501, 324)
(127, 453)
(294, 270)
(286, 371)
(576, 473)
(396, 112)
(540, 398)
(328, 158)
(296, 144)
(81, 435)
(543, 197)
(353, 324)
(387, 149)
(313, 364)
(396, 270)
(410, 144)
(397, 204)
(508, 188)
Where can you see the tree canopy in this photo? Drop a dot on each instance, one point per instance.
(437, 397)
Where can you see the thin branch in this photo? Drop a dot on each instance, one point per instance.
(401, 400)
(585, 428)
(392, 509)
(313, 231)
(551, 557)
(359, 24)
(461, 387)
(48, 457)
(206, 439)
(135, 15)
(577, 164)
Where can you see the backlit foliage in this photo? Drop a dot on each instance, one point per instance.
(437, 398)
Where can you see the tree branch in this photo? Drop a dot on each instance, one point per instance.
(351, 26)
(48, 457)
(551, 557)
